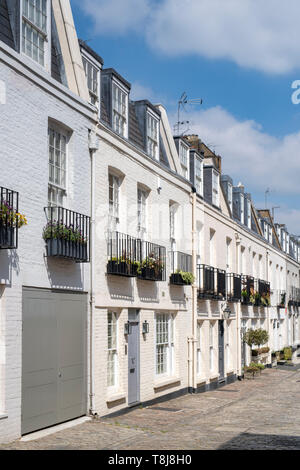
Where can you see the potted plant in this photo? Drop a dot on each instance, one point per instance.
(10, 219)
(245, 297)
(151, 268)
(182, 278)
(65, 241)
(282, 300)
(256, 338)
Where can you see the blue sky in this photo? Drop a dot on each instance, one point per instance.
(241, 57)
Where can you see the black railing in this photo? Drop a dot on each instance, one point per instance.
(280, 298)
(264, 293)
(152, 261)
(294, 296)
(67, 234)
(211, 282)
(248, 290)
(181, 269)
(9, 218)
(122, 255)
(234, 287)
(206, 281)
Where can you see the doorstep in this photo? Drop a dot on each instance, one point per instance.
(116, 397)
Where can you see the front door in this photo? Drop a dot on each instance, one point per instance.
(221, 350)
(133, 357)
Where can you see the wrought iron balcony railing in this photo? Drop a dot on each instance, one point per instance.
(279, 298)
(10, 220)
(152, 261)
(67, 234)
(122, 255)
(248, 290)
(234, 287)
(181, 269)
(294, 296)
(211, 282)
(264, 292)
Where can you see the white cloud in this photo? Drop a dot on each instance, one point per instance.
(248, 153)
(255, 158)
(262, 35)
(115, 17)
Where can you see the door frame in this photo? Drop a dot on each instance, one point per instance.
(134, 319)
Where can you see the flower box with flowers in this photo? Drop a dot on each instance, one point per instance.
(10, 221)
(65, 241)
(151, 269)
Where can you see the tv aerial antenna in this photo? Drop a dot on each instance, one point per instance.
(183, 100)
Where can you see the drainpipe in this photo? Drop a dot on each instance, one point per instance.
(93, 147)
(193, 339)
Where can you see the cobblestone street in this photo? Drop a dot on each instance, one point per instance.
(260, 413)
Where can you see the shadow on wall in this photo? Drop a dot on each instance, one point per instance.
(9, 262)
(177, 295)
(120, 287)
(147, 291)
(65, 274)
(249, 441)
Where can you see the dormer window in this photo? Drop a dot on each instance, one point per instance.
(35, 26)
(266, 230)
(184, 159)
(199, 175)
(92, 73)
(215, 189)
(242, 208)
(120, 110)
(229, 194)
(248, 213)
(152, 136)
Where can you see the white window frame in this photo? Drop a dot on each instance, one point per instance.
(198, 175)
(215, 188)
(249, 213)
(164, 345)
(114, 203)
(230, 194)
(172, 225)
(242, 205)
(121, 114)
(44, 34)
(142, 210)
(57, 191)
(88, 60)
(152, 135)
(184, 159)
(112, 351)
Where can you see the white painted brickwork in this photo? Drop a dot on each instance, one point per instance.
(24, 168)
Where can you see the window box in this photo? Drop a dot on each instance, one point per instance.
(66, 249)
(10, 219)
(66, 234)
(153, 261)
(181, 269)
(7, 236)
(122, 250)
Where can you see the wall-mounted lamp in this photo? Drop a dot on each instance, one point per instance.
(127, 328)
(226, 311)
(145, 327)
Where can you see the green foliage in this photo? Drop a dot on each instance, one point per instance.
(287, 352)
(256, 337)
(187, 277)
(60, 231)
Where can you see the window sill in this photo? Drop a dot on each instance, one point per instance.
(213, 377)
(168, 383)
(3, 416)
(116, 397)
(230, 372)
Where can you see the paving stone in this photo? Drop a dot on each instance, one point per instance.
(263, 413)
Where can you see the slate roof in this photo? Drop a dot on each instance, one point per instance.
(5, 29)
(134, 132)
